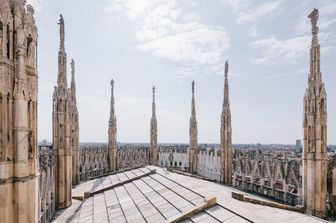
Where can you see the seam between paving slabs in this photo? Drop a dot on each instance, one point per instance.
(181, 185)
(173, 191)
(134, 203)
(149, 200)
(161, 195)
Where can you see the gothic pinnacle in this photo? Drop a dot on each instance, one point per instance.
(112, 87)
(112, 100)
(193, 110)
(62, 32)
(226, 84)
(72, 71)
(153, 93)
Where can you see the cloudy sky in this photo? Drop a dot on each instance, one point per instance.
(169, 43)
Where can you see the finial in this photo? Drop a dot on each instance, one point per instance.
(72, 65)
(226, 68)
(30, 8)
(72, 71)
(61, 23)
(112, 87)
(314, 16)
(153, 92)
(193, 86)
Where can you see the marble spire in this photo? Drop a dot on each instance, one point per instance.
(193, 144)
(62, 58)
(74, 125)
(62, 128)
(226, 134)
(314, 155)
(73, 82)
(112, 136)
(153, 134)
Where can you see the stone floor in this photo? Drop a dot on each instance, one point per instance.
(152, 194)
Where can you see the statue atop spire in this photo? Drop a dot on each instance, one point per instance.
(315, 73)
(72, 71)
(62, 60)
(153, 93)
(314, 16)
(193, 110)
(226, 85)
(112, 87)
(62, 32)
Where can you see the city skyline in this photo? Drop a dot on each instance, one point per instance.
(266, 108)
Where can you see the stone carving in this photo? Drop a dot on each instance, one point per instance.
(31, 141)
(17, 120)
(314, 15)
(31, 54)
(62, 32)
(314, 156)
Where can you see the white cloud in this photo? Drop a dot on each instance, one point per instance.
(235, 5)
(274, 50)
(253, 31)
(328, 8)
(325, 24)
(134, 8)
(261, 10)
(171, 29)
(289, 51)
(201, 45)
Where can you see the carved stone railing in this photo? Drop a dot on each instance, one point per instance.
(93, 160)
(274, 175)
(174, 156)
(47, 167)
(130, 155)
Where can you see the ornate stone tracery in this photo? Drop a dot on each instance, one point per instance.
(18, 119)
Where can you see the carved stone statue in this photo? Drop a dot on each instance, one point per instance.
(31, 54)
(314, 15)
(72, 65)
(31, 145)
(61, 23)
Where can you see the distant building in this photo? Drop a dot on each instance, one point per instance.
(298, 143)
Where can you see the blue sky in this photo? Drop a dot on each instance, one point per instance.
(169, 43)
